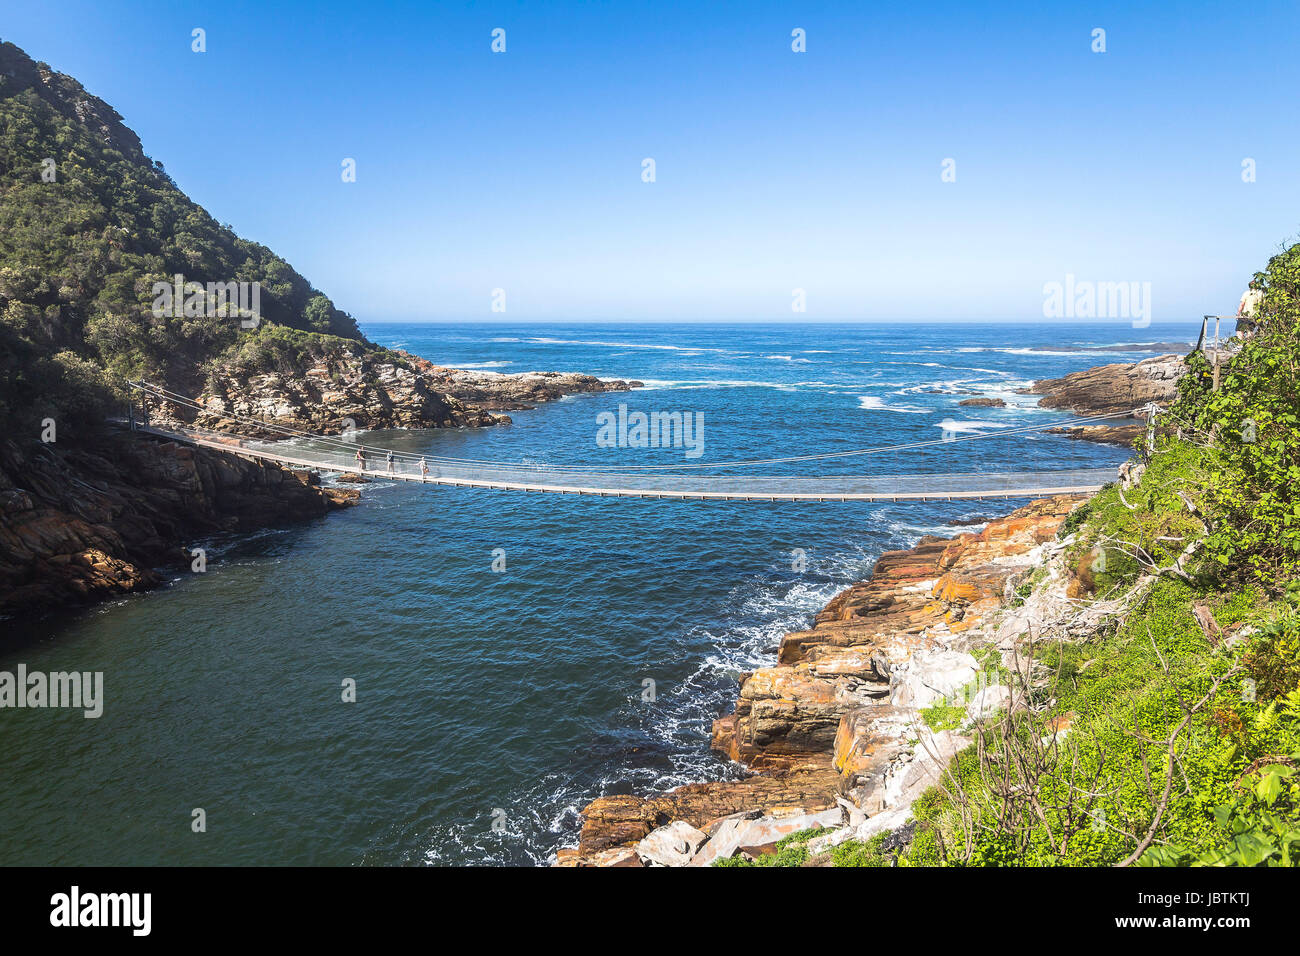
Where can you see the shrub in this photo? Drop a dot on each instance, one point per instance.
(1253, 420)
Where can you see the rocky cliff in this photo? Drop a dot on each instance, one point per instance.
(333, 387)
(1106, 389)
(79, 524)
(834, 728)
(86, 521)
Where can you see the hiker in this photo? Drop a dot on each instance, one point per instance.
(361, 460)
(389, 459)
(424, 468)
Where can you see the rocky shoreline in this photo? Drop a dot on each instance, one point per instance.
(835, 734)
(1113, 389)
(833, 730)
(89, 518)
(349, 386)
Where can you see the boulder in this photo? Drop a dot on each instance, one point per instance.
(618, 856)
(626, 819)
(884, 822)
(786, 716)
(671, 845)
(930, 677)
(757, 837)
(925, 768)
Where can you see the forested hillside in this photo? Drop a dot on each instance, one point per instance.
(83, 240)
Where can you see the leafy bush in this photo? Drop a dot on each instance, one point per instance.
(1261, 827)
(941, 716)
(873, 852)
(1126, 689)
(1125, 534)
(1252, 420)
(1273, 657)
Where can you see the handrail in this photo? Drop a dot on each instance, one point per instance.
(674, 487)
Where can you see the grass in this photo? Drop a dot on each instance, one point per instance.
(1126, 687)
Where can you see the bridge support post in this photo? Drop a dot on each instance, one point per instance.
(1151, 427)
(1216, 353)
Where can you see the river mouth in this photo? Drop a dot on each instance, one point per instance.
(491, 704)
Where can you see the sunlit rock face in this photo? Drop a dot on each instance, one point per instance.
(1108, 389)
(833, 727)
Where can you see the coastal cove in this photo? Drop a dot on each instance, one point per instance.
(516, 694)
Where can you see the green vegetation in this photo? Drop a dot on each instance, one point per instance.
(1164, 729)
(790, 851)
(1169, 734)
(880, 850)
(873, 852)
(1253, 424)
(1120, 535)
(1260, 826)
(941, 716)
(79, 256)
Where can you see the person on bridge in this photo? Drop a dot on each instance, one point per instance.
(389, 459)
(361, 459)
(424, 468)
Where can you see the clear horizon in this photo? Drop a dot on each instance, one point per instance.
(775, 170)
(632, 320)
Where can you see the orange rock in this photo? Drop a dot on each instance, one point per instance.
(625, 820)
(813, 723)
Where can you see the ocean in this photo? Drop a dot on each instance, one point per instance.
(514, 655)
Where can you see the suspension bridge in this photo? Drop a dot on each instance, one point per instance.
(334, 454)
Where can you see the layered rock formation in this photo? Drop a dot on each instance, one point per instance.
(495, 391)
(1107, 389)
(833, 727)
(353, 386)
(84, 521)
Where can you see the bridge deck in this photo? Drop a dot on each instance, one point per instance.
(551, 480)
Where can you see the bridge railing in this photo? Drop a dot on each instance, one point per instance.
(341, 458)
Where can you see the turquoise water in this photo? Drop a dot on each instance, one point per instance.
(512, 697)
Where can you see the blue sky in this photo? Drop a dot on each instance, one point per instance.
(774, 170)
